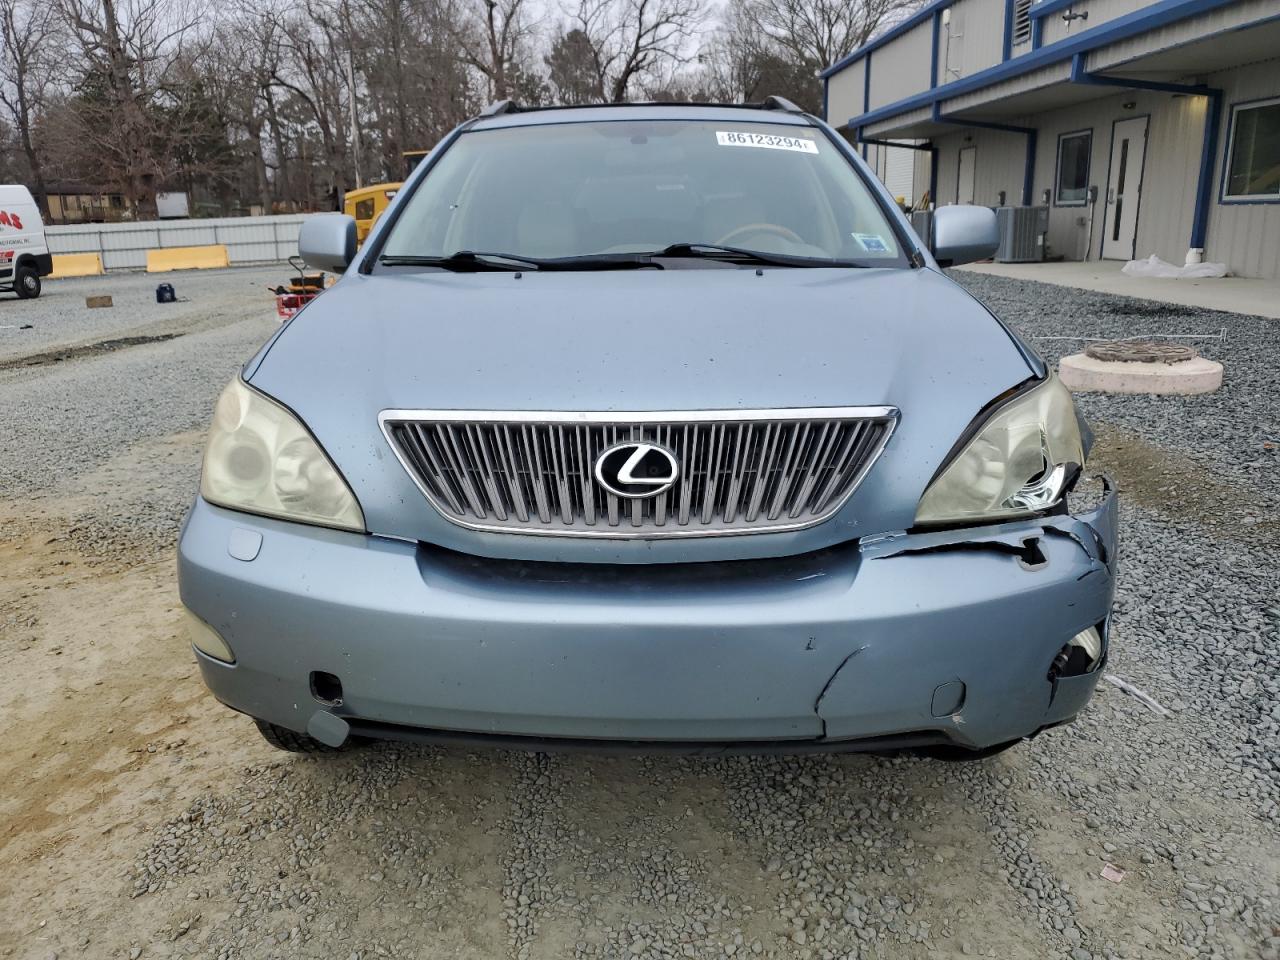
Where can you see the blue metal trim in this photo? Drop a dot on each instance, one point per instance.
(1223, 199)
(866, 92)
(826, 84)
(938, 117)
(933, 52)
(1037, 34)
(893, 33)
(876, 142)
(1006, 47)
(1158, 14)
(1057, 160)
(1080, 75)
(866, 85)
(1029, 167)
(1208, 155)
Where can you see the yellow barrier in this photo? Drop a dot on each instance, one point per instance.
(187, 258)
(76, 265)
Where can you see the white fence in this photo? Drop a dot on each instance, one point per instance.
(124, 246)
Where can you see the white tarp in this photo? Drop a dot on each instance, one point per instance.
(1153, 266)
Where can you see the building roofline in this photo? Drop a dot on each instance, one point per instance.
(1155, 15)
(897, 30)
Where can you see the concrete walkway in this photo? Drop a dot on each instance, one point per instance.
(1233, 294)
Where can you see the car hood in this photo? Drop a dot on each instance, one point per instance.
(633, 341)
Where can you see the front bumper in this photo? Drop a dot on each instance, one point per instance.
(941, 637)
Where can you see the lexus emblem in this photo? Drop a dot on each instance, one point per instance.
(636, 469)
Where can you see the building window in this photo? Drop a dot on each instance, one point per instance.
(1021, 21)
(1073, 168)
(1253, 152)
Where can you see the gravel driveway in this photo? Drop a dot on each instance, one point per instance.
(140, 819)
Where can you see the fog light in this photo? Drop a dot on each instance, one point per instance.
(1090, 643)
(1081, 655)
(205, 639)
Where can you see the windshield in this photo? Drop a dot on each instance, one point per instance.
(634, 187)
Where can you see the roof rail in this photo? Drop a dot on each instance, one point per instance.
(499, 107)
(772, 102)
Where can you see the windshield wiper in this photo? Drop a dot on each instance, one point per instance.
(462, 261)
(715, 251)
(474, 260)
(471, 260)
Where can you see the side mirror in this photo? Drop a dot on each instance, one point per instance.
(963, 234)
(327, 241)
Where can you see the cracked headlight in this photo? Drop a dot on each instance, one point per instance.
(261, 459)
(1018, 463)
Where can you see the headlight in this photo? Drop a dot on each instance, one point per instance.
(260, 459)
(1018, 463)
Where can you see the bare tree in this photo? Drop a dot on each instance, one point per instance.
(629, 39)
(493, 38)
(816, 32)
(129, 50)
(27, 33)
(417, 79)
(317, 52)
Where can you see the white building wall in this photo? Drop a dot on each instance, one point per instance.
(972, 41)
(845, 93)
(1245, 236)
(999, 158)
(896, 168)
(901, 68)
(1169, 172)
(1099, 11)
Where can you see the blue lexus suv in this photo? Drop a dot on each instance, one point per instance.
(649, 426)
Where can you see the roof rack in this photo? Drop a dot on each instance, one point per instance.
(499, 107)
(773, 102)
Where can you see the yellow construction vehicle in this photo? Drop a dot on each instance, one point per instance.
(367, 204)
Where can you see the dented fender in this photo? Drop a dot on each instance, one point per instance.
(988, 607)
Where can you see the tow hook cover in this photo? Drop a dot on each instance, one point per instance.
(328, 729)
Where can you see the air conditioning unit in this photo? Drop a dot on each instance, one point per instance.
(1022, 231)
(922, 224)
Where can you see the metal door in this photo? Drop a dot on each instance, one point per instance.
(1124, 188)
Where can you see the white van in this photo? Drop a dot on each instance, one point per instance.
(24, 255)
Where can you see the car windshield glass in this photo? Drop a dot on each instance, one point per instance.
(592, 189)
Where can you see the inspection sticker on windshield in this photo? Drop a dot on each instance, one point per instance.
(769, 141)
(871, 242)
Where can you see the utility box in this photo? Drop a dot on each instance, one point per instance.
(1022, 232)
(172, 206)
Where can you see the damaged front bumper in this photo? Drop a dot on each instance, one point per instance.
(923, 638)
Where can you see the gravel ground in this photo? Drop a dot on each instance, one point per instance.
(164, 828)
(1235, 432)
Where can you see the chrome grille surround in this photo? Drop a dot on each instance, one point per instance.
(741, 471)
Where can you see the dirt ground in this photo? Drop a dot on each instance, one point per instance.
(139, 818)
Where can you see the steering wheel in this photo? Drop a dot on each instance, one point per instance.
(772, 228)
